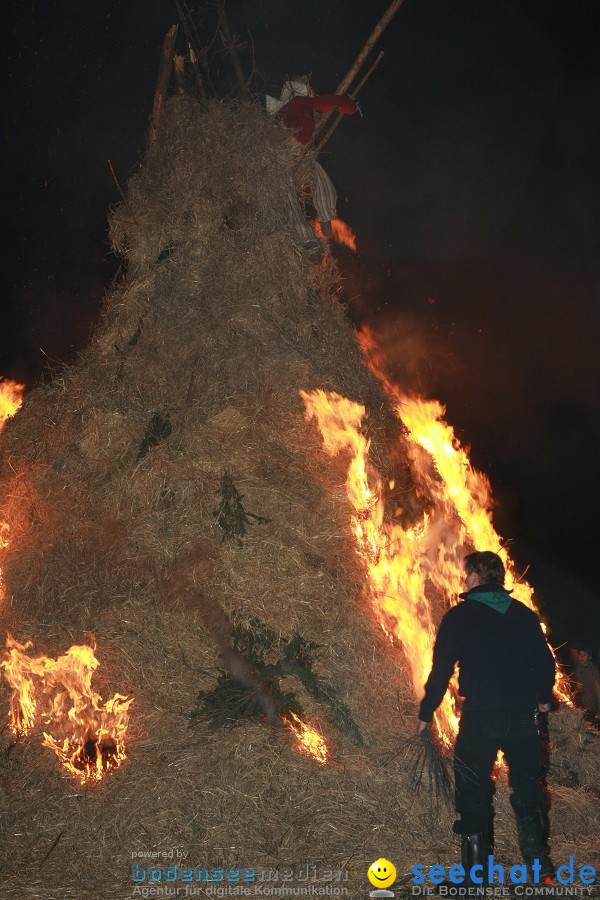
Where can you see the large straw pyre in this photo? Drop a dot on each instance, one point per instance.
(168, 494)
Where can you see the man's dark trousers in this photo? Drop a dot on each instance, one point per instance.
(482, 733)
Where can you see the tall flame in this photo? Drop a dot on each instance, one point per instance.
(87, 734)
(462, 487)
(405, 565)
(395, 558)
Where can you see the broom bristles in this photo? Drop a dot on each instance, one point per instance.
(428, 764)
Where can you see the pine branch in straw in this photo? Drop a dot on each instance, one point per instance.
(158, 429)
(232, 518)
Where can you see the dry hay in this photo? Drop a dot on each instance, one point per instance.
(111, 475)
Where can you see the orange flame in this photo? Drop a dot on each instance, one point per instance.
(404, 563)
(396, 560)
(308, 740)
(341, 233)
(457, 487)
(11, 399)
(88, 735)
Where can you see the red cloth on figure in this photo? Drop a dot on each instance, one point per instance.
(299, 114)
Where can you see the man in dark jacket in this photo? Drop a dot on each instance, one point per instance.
(506, 674)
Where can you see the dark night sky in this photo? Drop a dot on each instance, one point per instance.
(472, 182)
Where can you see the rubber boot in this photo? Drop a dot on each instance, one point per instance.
(474, 852)
(532, 828)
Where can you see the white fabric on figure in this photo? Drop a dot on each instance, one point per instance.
(298, 86)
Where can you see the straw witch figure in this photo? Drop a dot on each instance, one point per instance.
(296, 109)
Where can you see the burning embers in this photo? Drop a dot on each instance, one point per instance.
(86, 734)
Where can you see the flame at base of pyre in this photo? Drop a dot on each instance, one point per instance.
(87, 735)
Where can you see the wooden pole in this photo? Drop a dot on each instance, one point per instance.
(374, 37)
(116, 181)
(356, 91)
(162, 83)
(198, 80)
(352, 96)
(194, 46)
(229, 44)
(355, 67)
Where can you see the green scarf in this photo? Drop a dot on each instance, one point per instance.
(493, 596)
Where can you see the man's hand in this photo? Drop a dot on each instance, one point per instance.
(544, 707)
(421, 726)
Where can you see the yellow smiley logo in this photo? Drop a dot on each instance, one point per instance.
(382, 873)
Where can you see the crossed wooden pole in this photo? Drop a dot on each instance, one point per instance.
(322, 133)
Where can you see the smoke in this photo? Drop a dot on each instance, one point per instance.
(413, 353)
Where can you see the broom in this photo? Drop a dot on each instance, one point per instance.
(429, 766)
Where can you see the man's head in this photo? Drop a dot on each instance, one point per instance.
(484, 567)
(580, 651)
(584, 656)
